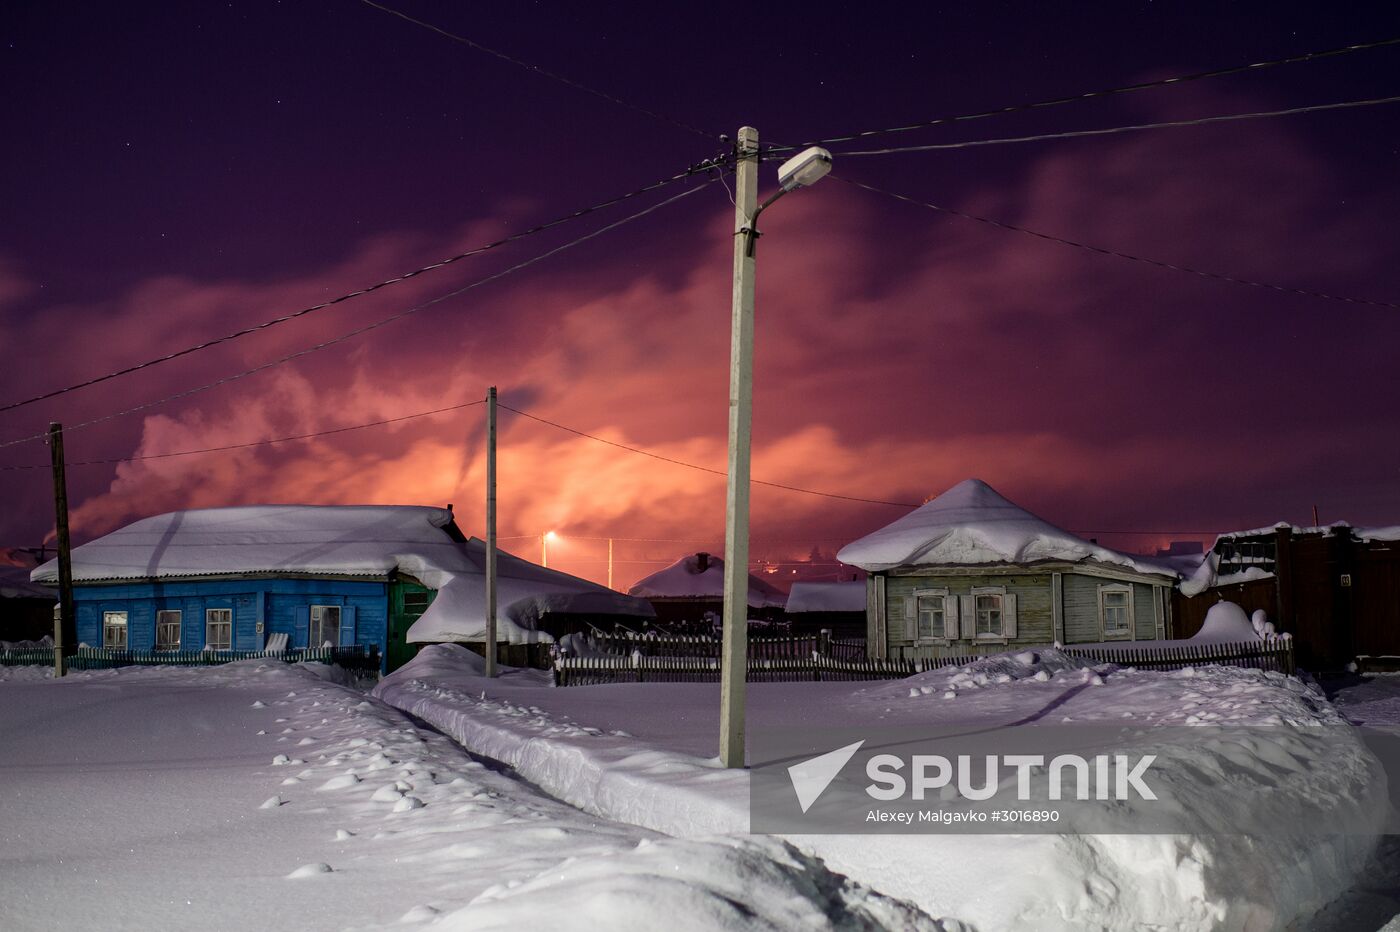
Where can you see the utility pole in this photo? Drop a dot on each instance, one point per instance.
(735, 648)
(66, 630)
(610, 561)
(491, 531)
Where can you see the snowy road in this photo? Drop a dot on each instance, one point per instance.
(217, 799)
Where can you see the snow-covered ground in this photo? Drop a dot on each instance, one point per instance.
(641, 753)
(261, 795)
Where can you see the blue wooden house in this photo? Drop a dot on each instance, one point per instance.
(246, 578)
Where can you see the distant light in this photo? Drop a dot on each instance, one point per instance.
(550, 535)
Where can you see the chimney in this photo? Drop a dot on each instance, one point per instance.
(449, 508)
(702, 561)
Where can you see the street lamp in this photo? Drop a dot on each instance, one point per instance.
(806, 168)
(545, 538)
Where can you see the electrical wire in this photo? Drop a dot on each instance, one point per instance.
(1109, 92)
(541, 71)
(251, 443)
(1103, 251)
(372, 326)
(717, 472)
(265, 325)
(1116, 130)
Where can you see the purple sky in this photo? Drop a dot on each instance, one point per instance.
(173, 172)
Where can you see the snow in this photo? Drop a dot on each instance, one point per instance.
(971, 524)
(135, 795)
(1378, 534)
(348, 540)
(685, 579)
(640, 753)
(826, 597)
(1225, 623)
(15, 584)
(524, 592)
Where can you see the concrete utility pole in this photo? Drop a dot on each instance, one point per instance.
(610, 562)
(66, 629)
(735, 648)
(491, 531)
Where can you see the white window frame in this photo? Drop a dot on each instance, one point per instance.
(111, 623)
(209, 622)
(1000, 593)
(1124, 634)
(163, 619)
(941, 595)
(316, 623)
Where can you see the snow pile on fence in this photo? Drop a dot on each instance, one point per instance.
(1226, 880)
(972, 524)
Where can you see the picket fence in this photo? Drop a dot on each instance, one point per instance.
(102, 658)
(639, 666)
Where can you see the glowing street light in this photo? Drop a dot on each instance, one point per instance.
(545, 538)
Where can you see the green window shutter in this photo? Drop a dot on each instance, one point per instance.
(1008, 614)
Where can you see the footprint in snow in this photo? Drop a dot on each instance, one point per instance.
(280, 760)
(309, 870)
(343, 834)
(272, 803)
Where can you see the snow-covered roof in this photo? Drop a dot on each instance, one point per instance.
(1296, 530)
(524, 592)
(1378, 533)
(826, 597)
(372, 541)
(971, 524)
(701, 576)
(332, 540)
(15, 584)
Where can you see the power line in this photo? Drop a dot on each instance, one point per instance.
(1103, 251)
(252, 443)
(717, 472)
(541, 71)
(1109, 92)
(265, 325)
(1115, 130)
(373, 326)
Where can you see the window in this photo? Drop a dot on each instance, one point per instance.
(168, 630)
(1116, 610)
(218, 629)
(325, 625)
(114, 630)
(932, 621)
(988, 614)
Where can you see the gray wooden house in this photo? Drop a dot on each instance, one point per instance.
(970, 569)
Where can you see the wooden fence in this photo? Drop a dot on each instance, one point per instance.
(102, 658)
(1275, 655)
(640, 667)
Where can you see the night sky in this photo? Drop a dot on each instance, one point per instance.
(172, 172)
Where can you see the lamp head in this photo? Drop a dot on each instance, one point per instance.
(804, 169)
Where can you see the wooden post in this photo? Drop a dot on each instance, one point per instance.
(59, 666)
(67, 627)
(736, 525)
(490, 651)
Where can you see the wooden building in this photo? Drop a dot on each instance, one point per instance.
(26, 609)
(838, 607)
(688, 595)
(1336, 589)
(352, 576)
(970, 568)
